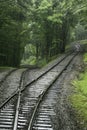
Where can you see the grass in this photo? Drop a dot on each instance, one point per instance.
(79, 99)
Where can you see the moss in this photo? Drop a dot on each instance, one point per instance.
(5, 68)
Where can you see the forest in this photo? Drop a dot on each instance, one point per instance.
(36, 30)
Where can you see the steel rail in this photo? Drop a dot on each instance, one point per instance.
(21, 89)
(15, 93)
(33, 81)
(18, 102)
(17, 112)
(44, 93)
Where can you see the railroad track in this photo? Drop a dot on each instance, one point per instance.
(19, 111)
(10, 83)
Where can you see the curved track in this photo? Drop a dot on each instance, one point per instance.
(18, 112)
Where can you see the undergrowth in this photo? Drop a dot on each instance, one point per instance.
(85, 57)
(40, 62)
(79, 98)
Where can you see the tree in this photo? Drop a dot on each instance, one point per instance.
(11, 21)
(46, 24)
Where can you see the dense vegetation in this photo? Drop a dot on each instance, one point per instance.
(79, 98)
(39, 29)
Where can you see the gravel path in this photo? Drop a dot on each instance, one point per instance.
(4, 73)
(10, 85)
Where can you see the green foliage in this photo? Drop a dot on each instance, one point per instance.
(30, 50)
(83, 41)
(81, 84)
(79, 99)
(85, 57)
(45, 4)
(79, 102)
(30, 61)
(11, 19)
(29, 56)
(56, 18)
(80, 32)
(46, 24)
(42, 63)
